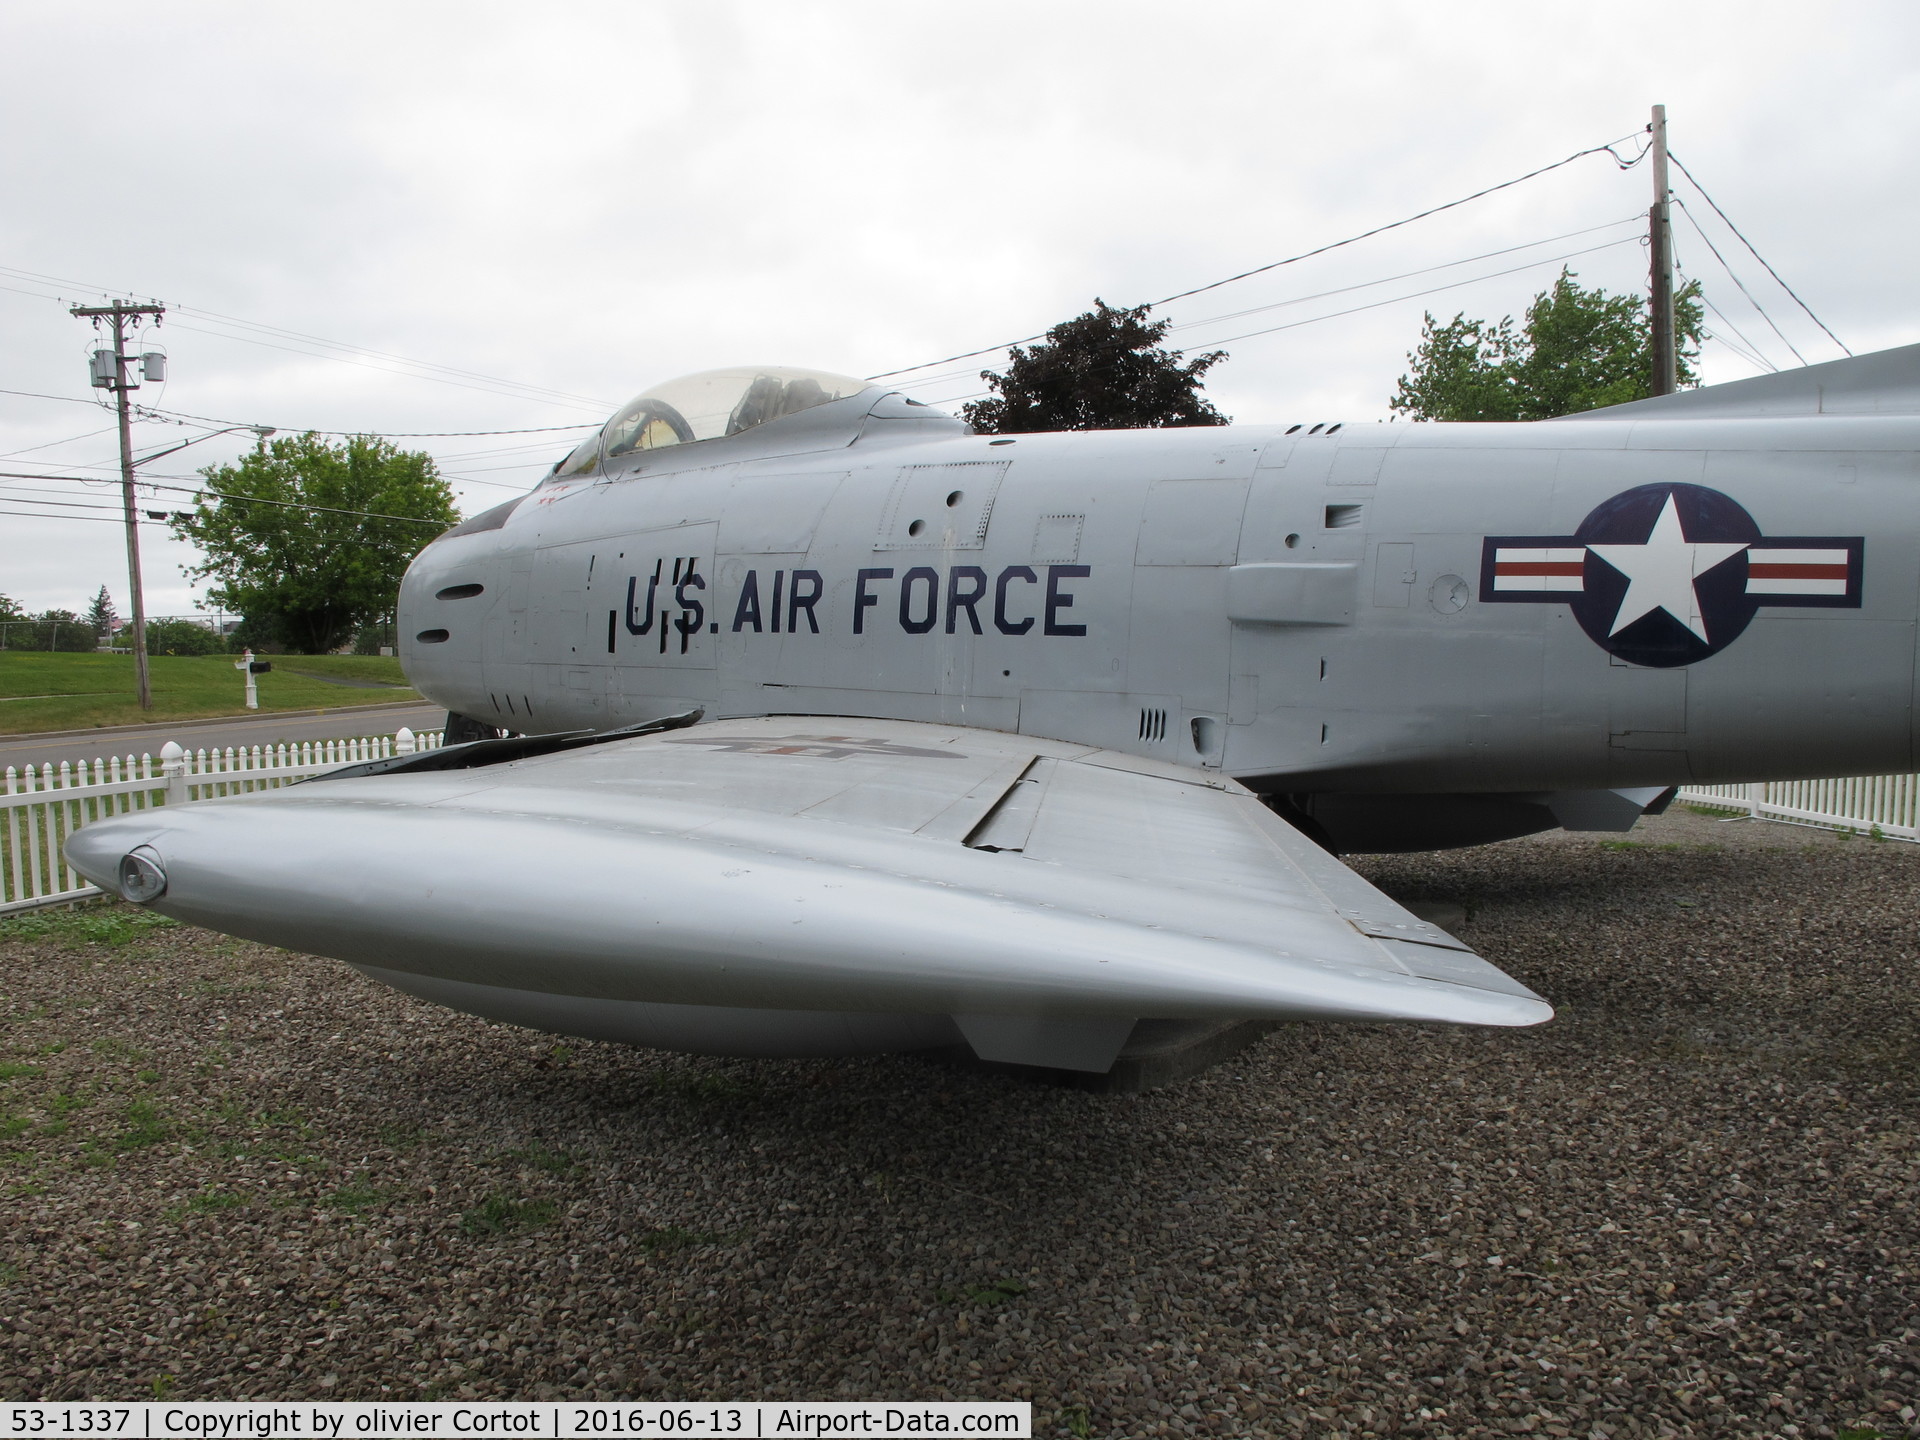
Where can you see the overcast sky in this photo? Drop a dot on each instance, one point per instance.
(569, 203)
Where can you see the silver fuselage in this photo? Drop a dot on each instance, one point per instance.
(1304, 611)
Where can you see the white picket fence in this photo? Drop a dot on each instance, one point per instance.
(1888, 805)
(46, 804)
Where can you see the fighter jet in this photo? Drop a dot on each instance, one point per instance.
(799, 719)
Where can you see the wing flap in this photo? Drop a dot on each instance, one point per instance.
(1009, 824)
(968, 815)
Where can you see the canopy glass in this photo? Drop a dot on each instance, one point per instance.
(707, 406)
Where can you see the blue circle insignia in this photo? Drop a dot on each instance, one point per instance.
(1666, 574)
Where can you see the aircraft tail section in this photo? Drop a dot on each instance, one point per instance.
(1886, 382)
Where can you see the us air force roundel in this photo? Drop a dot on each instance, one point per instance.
(1664, 575)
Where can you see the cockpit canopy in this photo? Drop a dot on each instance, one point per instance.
(707, 406)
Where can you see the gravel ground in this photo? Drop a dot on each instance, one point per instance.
(1687, 1206)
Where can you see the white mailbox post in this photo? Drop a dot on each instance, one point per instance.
(245, 665)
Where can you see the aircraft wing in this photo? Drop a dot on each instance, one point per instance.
(821, 864)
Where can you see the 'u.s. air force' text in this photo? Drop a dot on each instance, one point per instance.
(675, 602)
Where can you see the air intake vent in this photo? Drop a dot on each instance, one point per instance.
(1344, 517)
(433, 637)
(460, 592)
(1153, 726)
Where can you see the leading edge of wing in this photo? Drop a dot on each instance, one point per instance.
(820, 864)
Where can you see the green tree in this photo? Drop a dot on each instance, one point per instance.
(100, 615)
(261, 636)
(62, 630)
(180, 637)
(1104, 370)
(309, 540)
(372, 639)
(13, 634)
(1578, 350)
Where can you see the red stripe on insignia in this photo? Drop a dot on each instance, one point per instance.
(1540, 567)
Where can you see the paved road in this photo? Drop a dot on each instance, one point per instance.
(253, 730)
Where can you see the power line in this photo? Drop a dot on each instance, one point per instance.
(220, 496)
(1424, 214)
(36, 395)
(176, 416)
(452, 476)
(446, 370)
(518, 487)
(1309, 254)
(1408, 274)
(19, 493)
(505, 388)
(62, 280)
(13, 493)
(1752, 352)
(113, 519)
(1737, 281)
(1377, 304)
(540, 449)
(516, 464)
(1745, 348)
(1418, 294)
(110, 478)
(1755, 253)
(447, 374)
(1757, 356)
(1758, 362)
(70, 440)
(62, 504)
(383, 434)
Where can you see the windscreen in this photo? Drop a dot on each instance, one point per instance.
(708, 406)
(715, 403)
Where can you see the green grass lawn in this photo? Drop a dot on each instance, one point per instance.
(41, 691)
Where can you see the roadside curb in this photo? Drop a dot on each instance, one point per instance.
(255, 717)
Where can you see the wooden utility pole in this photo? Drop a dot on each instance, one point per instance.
(1666, 364)
(110, 373)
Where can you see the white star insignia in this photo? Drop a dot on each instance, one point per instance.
(1660, 573)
